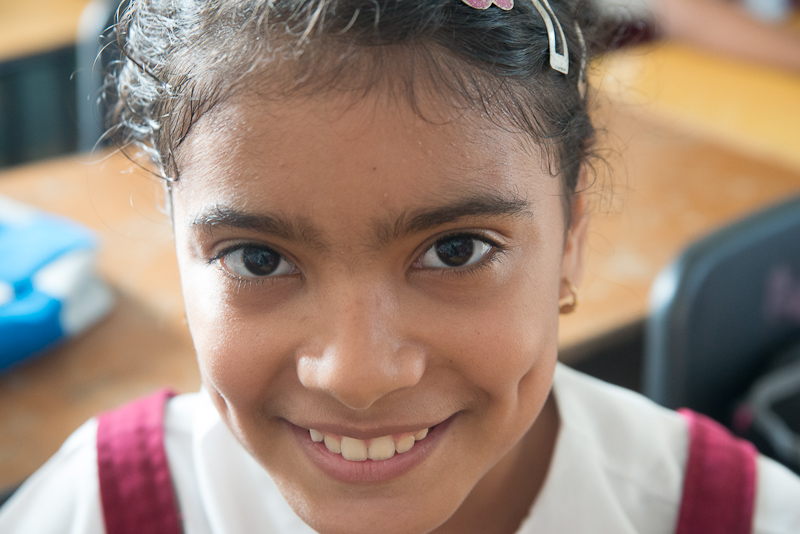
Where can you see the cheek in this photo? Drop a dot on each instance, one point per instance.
(503, 339)
(506, 342)
(239, 357)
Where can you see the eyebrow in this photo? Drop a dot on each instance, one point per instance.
(302, 230)
(476, 205)
(224, 217)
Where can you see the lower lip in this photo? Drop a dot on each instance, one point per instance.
(368, 471)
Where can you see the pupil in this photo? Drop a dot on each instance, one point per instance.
(456, 252)
(260, 261)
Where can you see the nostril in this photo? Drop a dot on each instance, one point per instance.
(359, 379)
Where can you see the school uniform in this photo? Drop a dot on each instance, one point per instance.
(618, 467)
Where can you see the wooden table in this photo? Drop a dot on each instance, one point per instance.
(662, 189)
(142, 345)
(693, 141)
(665, 185)
(747, 107)
(33, 26)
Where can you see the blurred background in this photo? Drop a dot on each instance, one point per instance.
(693, 283)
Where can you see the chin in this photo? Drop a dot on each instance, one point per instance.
(368, 516)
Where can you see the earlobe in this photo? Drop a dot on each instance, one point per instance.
(572, 262)
(569, 303)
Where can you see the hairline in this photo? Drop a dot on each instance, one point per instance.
(282, 83)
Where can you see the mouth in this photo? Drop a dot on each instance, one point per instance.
(361, 450)
(373, 460)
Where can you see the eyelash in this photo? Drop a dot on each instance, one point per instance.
(244, 282)
(495, 254)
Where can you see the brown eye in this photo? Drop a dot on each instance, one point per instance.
(256, 261)
(455, 251)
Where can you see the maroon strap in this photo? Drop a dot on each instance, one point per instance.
(135, 483)
(720, 485)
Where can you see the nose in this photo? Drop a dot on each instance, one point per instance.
(363, 355)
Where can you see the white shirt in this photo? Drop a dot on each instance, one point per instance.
(617, 468)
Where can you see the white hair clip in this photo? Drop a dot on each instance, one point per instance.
(559, 62)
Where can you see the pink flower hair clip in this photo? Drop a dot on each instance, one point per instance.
(559, 62)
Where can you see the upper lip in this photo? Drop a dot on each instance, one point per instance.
(365, 432)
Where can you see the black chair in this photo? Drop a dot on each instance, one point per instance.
(728, 303)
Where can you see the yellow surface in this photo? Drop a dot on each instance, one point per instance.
(33, 26)
(744, 106)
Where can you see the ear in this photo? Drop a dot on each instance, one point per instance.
(572, 262)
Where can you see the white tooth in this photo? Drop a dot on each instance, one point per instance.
(421, 434)
(405, 444)
(353, 449)
(381, 448)
(333, 444)
(316, 435)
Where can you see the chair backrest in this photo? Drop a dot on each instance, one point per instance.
(730, 301)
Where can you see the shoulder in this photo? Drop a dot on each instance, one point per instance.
(777, 499)
(66, 487)
(618, 462)
(632, 455)
(631, 436)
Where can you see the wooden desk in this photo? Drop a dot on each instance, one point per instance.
(662, 189)
(693, 141)
(142, 345)
(32, 26)
(671, 184)
(748, 107)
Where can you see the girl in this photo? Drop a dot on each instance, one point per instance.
(378, 211)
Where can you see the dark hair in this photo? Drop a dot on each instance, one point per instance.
(181, 58)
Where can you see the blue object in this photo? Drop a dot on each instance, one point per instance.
(32, 301)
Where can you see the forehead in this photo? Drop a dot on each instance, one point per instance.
(365, 155)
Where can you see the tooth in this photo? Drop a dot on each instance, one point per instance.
(353, 449)
(421, 434)
(316, 435)
(405, 444)
(333, 444)
(381, 448)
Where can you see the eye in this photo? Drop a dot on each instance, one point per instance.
(455, 251)
(255, 261)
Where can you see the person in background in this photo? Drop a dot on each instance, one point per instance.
(751, 30)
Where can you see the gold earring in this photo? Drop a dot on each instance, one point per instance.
(569, 303)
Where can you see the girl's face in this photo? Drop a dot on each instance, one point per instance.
(356, 274)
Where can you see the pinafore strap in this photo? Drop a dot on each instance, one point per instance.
(135, 483)
(720, 483)
(138, 496)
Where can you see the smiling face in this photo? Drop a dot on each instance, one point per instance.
(355, 275)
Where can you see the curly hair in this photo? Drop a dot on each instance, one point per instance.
(180, 58)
